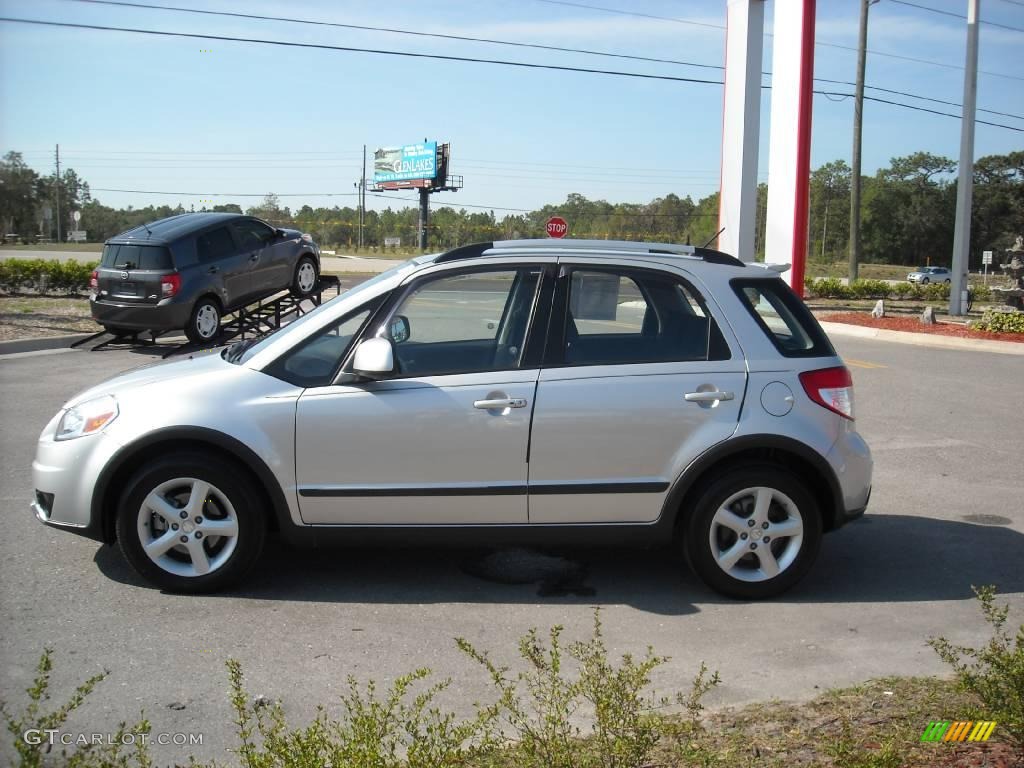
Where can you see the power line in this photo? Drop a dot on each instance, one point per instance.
(225, 194)
(391, 30)
(442, 57)
(816, 42)
(491, 41)
(955, 15)
(353, 49)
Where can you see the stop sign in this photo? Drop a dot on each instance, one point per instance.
(556, 227)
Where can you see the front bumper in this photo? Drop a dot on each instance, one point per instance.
(64, 476)
(165, 316)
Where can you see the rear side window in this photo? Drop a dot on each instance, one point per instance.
(152, 257)
(214, 245)
(784, 318)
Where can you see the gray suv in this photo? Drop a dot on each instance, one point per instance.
(185, 272)
(530, 390)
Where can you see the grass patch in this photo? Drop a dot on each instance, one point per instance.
(71, 247)
(23, 317)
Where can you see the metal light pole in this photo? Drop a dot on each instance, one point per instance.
(965, 170)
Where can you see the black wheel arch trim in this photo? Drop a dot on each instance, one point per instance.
(671, 510)
(101, 525)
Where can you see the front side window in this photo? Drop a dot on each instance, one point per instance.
(463, 323)
(252, 234)
(619, 318)
(315, 362)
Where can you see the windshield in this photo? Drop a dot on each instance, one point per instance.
(245, 350)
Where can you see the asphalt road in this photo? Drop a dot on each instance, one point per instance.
(946, 513)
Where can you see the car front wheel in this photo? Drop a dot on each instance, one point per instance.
(204, 322)
(190, 523)
(754, 533)
(925, 281)
(306, 277)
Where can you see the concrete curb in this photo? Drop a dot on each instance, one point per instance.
(43, 342)
(924, 339)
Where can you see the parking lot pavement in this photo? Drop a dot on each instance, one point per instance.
(945, 514)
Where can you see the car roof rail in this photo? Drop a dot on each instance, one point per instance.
(471, 251)
(509, 247)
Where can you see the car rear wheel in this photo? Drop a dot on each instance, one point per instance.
(754, 533)
(204, 323)
(306, 277)
(189, 523)
(946, 281)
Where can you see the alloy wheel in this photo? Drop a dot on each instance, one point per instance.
(756, 534)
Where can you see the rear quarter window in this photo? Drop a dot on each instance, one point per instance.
(151, 257)
(783, 317)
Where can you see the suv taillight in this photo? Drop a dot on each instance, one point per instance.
(169, 285)
(830, 388)
(94, 283)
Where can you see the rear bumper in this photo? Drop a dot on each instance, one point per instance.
(164, 316)
(851, 460)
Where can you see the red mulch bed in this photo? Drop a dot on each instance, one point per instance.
(914, 325)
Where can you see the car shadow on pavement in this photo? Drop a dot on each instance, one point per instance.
(881, 558)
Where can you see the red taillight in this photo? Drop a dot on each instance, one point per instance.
(169, 285)
(94, 283)
(830, 388)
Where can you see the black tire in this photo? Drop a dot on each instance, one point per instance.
(203, 325)
(947, 282)
(793, 556)
(925, 281)
(228, 499)
(301, 285)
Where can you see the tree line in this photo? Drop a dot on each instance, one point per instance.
(907, 216)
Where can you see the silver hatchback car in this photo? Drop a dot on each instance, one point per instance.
(531, 390)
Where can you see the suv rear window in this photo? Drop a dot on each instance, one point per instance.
(783, 317)
(153, 257)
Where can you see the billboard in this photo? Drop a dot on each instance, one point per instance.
(413, 161)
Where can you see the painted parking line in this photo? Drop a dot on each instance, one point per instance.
(863, 363)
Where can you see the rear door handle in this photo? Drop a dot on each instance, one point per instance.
(254, 257)
(500, 403)
(213, 270)
(708, 397)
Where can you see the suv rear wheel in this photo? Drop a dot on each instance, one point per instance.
(189, 523)
(754, 533)
(306, 277)
(204, 322)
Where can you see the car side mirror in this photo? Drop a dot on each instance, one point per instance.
(399, 329)
(374, 359)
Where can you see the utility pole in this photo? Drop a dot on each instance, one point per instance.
(57, 187)
(362, 201)
(965, 170)
(858, 122)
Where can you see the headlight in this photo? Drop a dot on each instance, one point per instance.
(86, 418)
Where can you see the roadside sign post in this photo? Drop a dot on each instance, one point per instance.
(986, 259)
(556, 227)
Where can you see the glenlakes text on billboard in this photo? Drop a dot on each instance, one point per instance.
(413, 161)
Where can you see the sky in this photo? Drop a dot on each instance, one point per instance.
(217, 121)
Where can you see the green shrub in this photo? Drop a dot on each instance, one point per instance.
(935, 291)
(1000, 321)
(540, 705)
(45, 276)
(30, 725)
(982, 293)
(900, 290)
(994, 672)
(829, 288)
(870, 289)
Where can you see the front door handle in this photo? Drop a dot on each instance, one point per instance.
(708, 397)
(500, 403)
(254, 257)
(213, 270)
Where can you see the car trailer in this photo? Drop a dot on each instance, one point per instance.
(255, 319)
